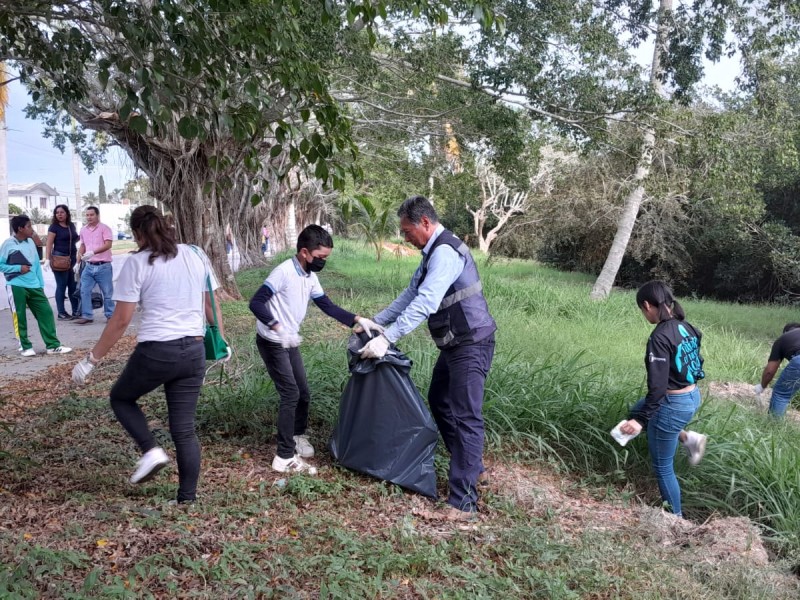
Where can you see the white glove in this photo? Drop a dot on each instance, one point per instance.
(288, 339)
(77, 268)
(368, 326)
(87, 255)
(375, 348)
(81, 371)
(230, 353)
(758, 388)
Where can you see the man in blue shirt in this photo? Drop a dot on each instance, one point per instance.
(446, 290)
(19, 262)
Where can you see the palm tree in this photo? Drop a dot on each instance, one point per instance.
(374, 219)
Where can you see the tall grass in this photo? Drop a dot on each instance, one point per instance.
(565, 371)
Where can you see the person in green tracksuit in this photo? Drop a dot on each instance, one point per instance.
(19, 262)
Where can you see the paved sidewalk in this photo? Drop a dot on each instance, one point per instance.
(80, 338)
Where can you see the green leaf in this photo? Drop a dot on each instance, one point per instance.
(275, 150)
(138, 124)
(188, 128)
(322, 170)
(124, 111)
(255, 199)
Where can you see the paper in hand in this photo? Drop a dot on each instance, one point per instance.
(622, 438)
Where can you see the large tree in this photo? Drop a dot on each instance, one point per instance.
(223, 104)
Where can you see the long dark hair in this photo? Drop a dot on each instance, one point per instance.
(153, 233)
(657, 293)
(66, 210)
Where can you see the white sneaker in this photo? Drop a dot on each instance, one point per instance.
(292, 465)
(151, 463)
(28, 352)
(695, 446)
(303, 447)
(59, 350)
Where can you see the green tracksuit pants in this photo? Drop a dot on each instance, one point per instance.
(20, 298)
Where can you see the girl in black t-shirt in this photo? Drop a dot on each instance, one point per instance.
(61, 239)
(674, 366)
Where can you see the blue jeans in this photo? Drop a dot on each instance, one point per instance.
(102, 275)
(662, 440)
(65, 282)
(179, 365)
(787, 386)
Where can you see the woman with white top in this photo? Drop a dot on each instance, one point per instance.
(168, 281)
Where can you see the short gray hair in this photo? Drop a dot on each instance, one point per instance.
(415, 208)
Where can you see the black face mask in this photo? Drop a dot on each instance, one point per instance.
(317, 264)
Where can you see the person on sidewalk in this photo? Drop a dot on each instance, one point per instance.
(280, 306)
(446, 290)
(786, 347)
(19, 262)
(95, 250)
(674, 366)
(62, 240)
(168, 281)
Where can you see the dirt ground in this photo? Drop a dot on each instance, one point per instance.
(742, 394)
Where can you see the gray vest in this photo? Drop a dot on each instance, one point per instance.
(463, 316)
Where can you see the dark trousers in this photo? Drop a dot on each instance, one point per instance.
(65, 282)
(456, 401)
(180, 366)
(285, 367)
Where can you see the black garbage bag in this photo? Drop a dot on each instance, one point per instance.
(384, 428)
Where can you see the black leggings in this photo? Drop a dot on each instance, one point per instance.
(180, 366)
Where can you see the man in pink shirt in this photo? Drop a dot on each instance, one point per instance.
(95, 251)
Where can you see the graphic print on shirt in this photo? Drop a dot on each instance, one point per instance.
(687, 356)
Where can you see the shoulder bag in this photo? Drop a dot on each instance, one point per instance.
(216, 346)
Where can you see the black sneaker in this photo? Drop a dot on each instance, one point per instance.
(64, 317)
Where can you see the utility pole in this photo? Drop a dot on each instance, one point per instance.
(76, 178)
(5, 227)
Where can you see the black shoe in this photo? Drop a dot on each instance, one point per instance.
(64, 317)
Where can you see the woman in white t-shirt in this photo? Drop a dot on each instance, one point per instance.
(168, 281)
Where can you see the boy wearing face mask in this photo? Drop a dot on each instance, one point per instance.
(280, 307)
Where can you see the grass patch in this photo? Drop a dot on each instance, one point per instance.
(564, 373)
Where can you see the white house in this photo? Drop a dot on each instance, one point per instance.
(28, 196)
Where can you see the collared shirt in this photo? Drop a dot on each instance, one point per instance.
(170, 292)
(34, 278)
(291, 287)
(417, 302)
(94, 238)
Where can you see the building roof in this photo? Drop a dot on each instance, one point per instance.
(20, 189)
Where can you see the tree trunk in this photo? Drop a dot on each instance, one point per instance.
(605, 281)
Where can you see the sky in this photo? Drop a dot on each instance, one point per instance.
(33, 159)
